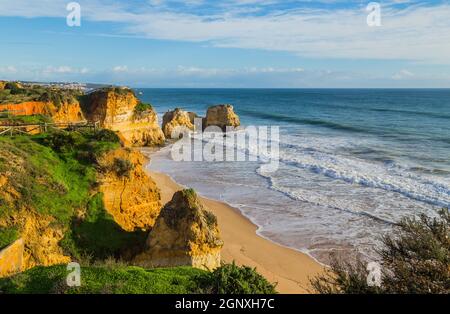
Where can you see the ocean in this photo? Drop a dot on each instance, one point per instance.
(353, 162)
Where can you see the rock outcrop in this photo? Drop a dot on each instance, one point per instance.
(222, 116)
(185, 233)
(129, 194)
(177, 118)
(2, 85)
(65, 113)
(115, 109)
(11, 258)
(39, 232)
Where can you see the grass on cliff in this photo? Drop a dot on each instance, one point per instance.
(115, 278)
(8, 236)
(55, 174)
(14, 94)
(6, 118)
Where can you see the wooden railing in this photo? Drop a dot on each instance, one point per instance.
(18, 129)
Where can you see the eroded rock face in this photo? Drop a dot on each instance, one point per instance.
(114, 108)
(2, 85)
(40, 233)
(129, 194)
(221, 116)
(65, 113)
(176, 118)
(11, 258)
(185, 233)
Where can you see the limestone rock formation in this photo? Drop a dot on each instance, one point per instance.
(115, 108)
(11, 258)
(221, 116)
(176, 118)
(185, 233)
(129, 194)
(65, 113)
(40, 233)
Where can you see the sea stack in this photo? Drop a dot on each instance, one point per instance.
(119, 109)
(185, 234)
(222, 116)
(177, 118)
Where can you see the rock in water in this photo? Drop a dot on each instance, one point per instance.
(176, 118)
(222, 116)
(115, 108)
(185, 233)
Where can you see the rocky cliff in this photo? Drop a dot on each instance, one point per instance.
(129, 194)
(64, 113)
(177, 118)
(221, 116)
(115, 108)
(185, 233)
(70, 194)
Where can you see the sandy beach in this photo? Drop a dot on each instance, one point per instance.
(289, 268)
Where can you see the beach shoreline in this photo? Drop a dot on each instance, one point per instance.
(289, 268)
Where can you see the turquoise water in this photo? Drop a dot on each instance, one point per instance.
(352, 162)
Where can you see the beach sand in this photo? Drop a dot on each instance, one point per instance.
(289, 268)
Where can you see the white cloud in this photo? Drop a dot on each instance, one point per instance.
(419, 32)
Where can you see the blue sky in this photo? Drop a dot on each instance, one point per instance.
(228, 43)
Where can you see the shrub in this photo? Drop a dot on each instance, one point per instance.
(142, 107)
(415, 259)
(232, 279)
(14, 88)
(122, 167)
(8, 236)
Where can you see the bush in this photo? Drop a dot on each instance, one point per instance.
(122, 167)
(232, 279)
(142, 107)
(14, 88)
(414, 260)
(8, 236)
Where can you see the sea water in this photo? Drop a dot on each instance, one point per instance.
(353, 162)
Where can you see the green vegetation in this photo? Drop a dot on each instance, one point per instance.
(99, 236)
(116, 278)
(414, 260)
(14, 94)
(142, 107)
(122, 167)
(232, 279)
(55, 174)
(6, 118)
(106, 280)
(8, 236)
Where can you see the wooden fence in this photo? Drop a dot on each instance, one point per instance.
(31, 129)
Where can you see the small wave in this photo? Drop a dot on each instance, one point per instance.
(316, 122)
(412, 112)
(304, 198)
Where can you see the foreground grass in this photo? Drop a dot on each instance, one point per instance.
(107, 280)
(55, 174)
(110, 277)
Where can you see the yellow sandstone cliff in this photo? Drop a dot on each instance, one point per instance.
(174, 119)
(115, 109)
(222, 116)
(129, 194)
(65, 113)
(39, 233)
(185, 233)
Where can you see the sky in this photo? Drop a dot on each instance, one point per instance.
(228, 43)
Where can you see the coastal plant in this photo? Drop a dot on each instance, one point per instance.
(414, 259)
(122, 167)
(7, 236)
(233, 279)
